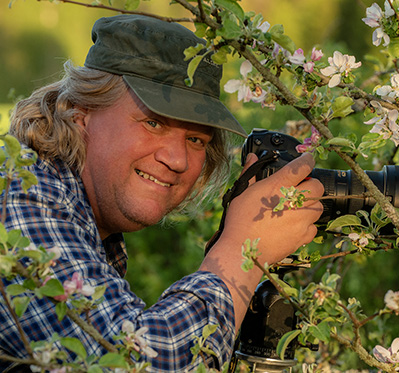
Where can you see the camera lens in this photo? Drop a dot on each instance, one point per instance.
(339, 184)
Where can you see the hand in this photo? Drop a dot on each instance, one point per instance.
(251, 215)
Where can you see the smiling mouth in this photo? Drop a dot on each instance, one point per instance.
(151, 178)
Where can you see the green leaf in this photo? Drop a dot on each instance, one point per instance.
(331, 280)
(94, 369)
(113, 360)
(192, 67)
(233, 7)
(52, 288)
(277, 33)
(342, 106)
(15, 239)
(21, 304)
(12, 145)
(2, 156)
(340, 141)
(321, 331)
(230, 30)
(132, 4)
(200, 29)
(208, 330)
(61, 310)
(201, 368)
(191, 52)
(74, 345)
(285, 340)
(28, 179)
(247, 265)
(98, 292)
(15, 289)
(7, 262)
(220, 57)
(343, 221)
(3, 234)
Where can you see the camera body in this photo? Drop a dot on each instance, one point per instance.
(337, 183)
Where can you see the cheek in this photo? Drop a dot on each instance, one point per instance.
(197, 167)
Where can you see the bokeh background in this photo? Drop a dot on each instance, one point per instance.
(37, 37)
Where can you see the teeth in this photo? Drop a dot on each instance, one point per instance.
(152, 178)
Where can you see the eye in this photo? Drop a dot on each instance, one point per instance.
(153, 123)
(197, 141)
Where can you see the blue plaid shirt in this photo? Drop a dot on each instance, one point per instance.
(56, 212)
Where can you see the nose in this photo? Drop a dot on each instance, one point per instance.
(173, 153)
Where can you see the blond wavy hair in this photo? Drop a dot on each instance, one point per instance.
(45, 122)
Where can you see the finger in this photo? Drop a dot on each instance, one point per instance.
(250, 160)
(296, 171)
(314, 187)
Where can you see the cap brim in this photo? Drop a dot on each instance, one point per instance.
(184, 104)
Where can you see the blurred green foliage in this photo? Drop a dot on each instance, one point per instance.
(37, 38)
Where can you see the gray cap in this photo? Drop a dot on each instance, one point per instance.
(148, 53)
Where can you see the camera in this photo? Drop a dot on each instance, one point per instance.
(269, 316)
(337, 183)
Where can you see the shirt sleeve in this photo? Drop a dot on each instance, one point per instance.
(50, 216)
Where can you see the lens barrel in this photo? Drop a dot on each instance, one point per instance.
(343, 184)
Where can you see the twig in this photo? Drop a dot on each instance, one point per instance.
(21, 270)
(16, 320)
(4, 204)
(124, 11)
(363, 354)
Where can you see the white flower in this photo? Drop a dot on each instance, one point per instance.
(263, 27)
(385, 123)
(340, 65)
(374, 19)
(297, 58)
(316, 54)
(135, 339)
(360, 240)
(390, 93)
(374, 15)
(308, 66)
(390, 355)
(391, 300)
(244, 92)
(128, 327)
(243, 86)
(56, 250)
(378, 35)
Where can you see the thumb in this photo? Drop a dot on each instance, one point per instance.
(249, 161)
(295, 171)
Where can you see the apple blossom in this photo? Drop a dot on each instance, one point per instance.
(385, 123)
(308, 66)
(76, 285)
(390, 355)
(310, 143)
(247, 89)
(135, 339)
(391, 300)
(375, 19)
(390, 93)
(297, 58)
(360, 240)
(340, 66)
(316, 54)
(264, 26)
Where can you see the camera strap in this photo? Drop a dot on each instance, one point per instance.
(239, 186)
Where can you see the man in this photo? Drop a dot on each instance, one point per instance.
(122, 142)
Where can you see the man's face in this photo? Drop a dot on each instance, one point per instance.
(139, 165)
